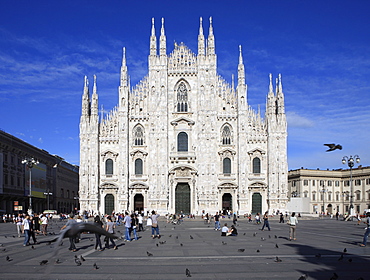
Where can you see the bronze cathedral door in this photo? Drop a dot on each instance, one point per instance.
(182, 198)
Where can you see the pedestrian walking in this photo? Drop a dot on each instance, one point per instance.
(140, 221)
(367, 230)
(134, 222)
(110, 228)
(71, 221)
(18, 222)
(292, 222)
(155, 226)
(281, 218)
(99, 224)
(217, 221)
(26, 230)
(266, 221)
(127, 221)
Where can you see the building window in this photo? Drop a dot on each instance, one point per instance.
(138, 136)
(305, 182)
(182, 142)
(305, 194)
(337, 196)
(109, 167)
(313, 196)
(346, 183)
(182, 98)
(313, 182)
(226, 135)
(256, 165)
(330, 183)
(368, 181)
(357, 182)
(227, 166)
(337, 183)
(358, 195)
(329, 196)
(67, 193)
(62, 193)
(138, 167)
(294, 183)
(322, 182)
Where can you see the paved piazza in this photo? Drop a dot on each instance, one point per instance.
(196, 246)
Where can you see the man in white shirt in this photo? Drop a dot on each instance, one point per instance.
(26, 230)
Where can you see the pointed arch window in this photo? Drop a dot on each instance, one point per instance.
(256, 165)
(226, 135)
(182, 98)
(182, 142)
(226, 166)
(138, 136)
(138, 167)
(109, 167)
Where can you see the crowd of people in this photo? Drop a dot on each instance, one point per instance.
(37, 224)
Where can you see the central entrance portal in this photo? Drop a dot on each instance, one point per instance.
(139, 202)
(256, 203)
(227, 203)
(109, 204)
(182, 198)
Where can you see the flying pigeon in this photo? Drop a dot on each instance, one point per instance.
(333, 147)
(9, 259)
(149, 254)
(187, 272)
(76, 228)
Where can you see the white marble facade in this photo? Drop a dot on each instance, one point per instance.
(183, 139)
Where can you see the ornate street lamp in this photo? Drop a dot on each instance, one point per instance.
(30, 163)
(351, 162)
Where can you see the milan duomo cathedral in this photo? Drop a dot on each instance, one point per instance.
(183, 139)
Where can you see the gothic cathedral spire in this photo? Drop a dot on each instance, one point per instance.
(162, 41)
(211, 39)
(153, 41)
(201, 43)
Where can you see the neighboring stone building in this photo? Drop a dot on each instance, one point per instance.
(183, 139)
(330, 190)
(51, 175)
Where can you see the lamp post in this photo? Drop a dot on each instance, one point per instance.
(351, 162)
(30, 163)
(323, 200)
(48, 193)
(74, 199)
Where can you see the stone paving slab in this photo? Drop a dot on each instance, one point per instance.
(201, 249)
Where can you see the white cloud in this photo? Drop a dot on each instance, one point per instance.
(295, 120)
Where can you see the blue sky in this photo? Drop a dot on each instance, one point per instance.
(321, 48)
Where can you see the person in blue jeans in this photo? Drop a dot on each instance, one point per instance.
(127, 221)
(217, 221)
(266, 221)
(155, 226)
(134, 223)
(26, 230)
(367, 232)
